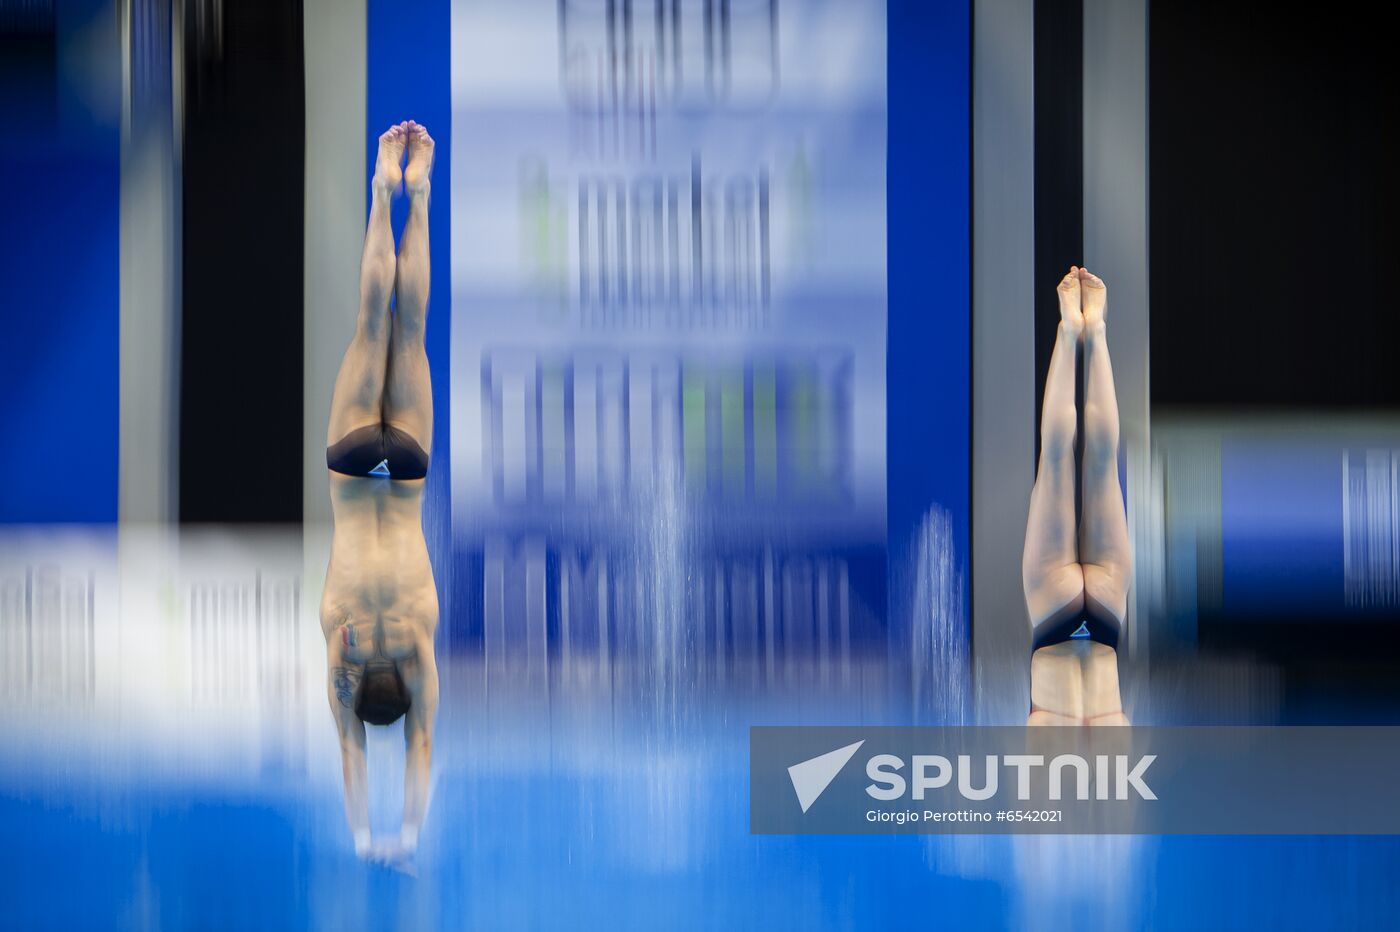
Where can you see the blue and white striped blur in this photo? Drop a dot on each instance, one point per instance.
(736, 335)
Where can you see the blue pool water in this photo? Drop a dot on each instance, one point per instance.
(545, 830)
(167, 762)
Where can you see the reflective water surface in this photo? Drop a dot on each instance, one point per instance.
(169, 762)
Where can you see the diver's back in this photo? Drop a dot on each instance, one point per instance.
(379, 569)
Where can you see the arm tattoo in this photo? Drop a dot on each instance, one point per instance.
(345, 681)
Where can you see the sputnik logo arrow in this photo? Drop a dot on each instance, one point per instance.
(811, 777)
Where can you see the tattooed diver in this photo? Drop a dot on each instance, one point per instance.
(379, 610)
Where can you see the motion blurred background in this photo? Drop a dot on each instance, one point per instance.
(740, 314)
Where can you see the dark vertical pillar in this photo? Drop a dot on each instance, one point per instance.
(241, 325)
(1278, 239)
(1059, 167)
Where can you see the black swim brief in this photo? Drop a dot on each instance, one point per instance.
(378, 450)
(1075, 621)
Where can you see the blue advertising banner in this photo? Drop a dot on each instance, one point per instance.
(669, 323)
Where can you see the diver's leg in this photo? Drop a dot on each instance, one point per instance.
(408, 395)
(1104, 549)
(359, 386)
(1050, 571)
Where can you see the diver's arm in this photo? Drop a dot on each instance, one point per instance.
(342, 679)
(418, 741)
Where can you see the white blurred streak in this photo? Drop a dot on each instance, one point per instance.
(151, 648)
(1089, 876)
(47, 635)
(939, 657)
(1371, 527)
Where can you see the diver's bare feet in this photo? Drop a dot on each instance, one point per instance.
(1071, 318)
(1095, 297)
(387, 173)
(420, 158)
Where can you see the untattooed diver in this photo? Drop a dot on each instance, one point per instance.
(379, 610)
(1077, 573)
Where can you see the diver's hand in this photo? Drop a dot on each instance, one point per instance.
(390, 854)
(393, 855)
(408, 839)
